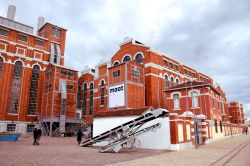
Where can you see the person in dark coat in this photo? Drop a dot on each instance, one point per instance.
(35, 134)
(79, 136)
(39, 134)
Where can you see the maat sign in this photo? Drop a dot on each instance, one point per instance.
(116, 96)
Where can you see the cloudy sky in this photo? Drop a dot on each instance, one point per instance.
(212, 36)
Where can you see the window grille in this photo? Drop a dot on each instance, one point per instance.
(79, 98)
(126, 58)
(165, 63)
(11, 127)
(70, 87)
(116, 63)
(4, 32)
(30, 128)
(63, 106)
(102, 92)
(56, 32)
(166, 81)
(84, 103)
(34, 90)
(194, 96)
(15, 88)
(39, 42)
(91, 98)
(176, 101)
(139, 57)
(22, 38)
(116, 73)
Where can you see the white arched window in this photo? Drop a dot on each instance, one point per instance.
(172, 81)
(176, 98)
(177, 81)
(126, 58)
(139, 57)
(194, 96)
(166, 81)
(116, 63)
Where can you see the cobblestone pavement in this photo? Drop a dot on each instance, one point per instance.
(230, 151)
(62, 151)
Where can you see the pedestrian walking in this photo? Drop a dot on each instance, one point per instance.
(39, 134)
(79, 136)
(35, 135)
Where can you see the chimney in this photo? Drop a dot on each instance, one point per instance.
(11, 12)
(40, 23)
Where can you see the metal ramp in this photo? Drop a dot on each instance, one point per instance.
(125, 135)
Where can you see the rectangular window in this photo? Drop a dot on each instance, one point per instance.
(39, 42)
(176, 101)
(116, 73)
(22, 38)
(63, 71)
(56, 32)
(30, 128)
(171, 65)
(70, 73)
(4, 32)
(185, 72)
(11, 127)
(135, 73)
(176, 67)
(165, 63)
(70, 87)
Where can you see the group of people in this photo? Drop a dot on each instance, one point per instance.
(37, 133)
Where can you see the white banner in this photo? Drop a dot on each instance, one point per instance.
(117, 96)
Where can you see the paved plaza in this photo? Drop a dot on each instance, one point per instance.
(65, 151)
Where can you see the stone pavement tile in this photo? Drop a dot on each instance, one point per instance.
(220, 151)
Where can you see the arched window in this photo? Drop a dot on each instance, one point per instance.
(176, 98)
(172, 81)
(15, 88)
(177, 81)
(102, 92)
(126, 58)
(116, 63)
(91, 98)
(33, 90)
(84, 102)
(194, 96)
(166, 81)
(139, 57)
(1, 66)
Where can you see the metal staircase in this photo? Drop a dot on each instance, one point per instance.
(125, 135)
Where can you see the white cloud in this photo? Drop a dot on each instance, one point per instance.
(212, 36)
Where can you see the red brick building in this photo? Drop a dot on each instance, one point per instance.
(149, 78)
(236, 112)
(31, 71)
